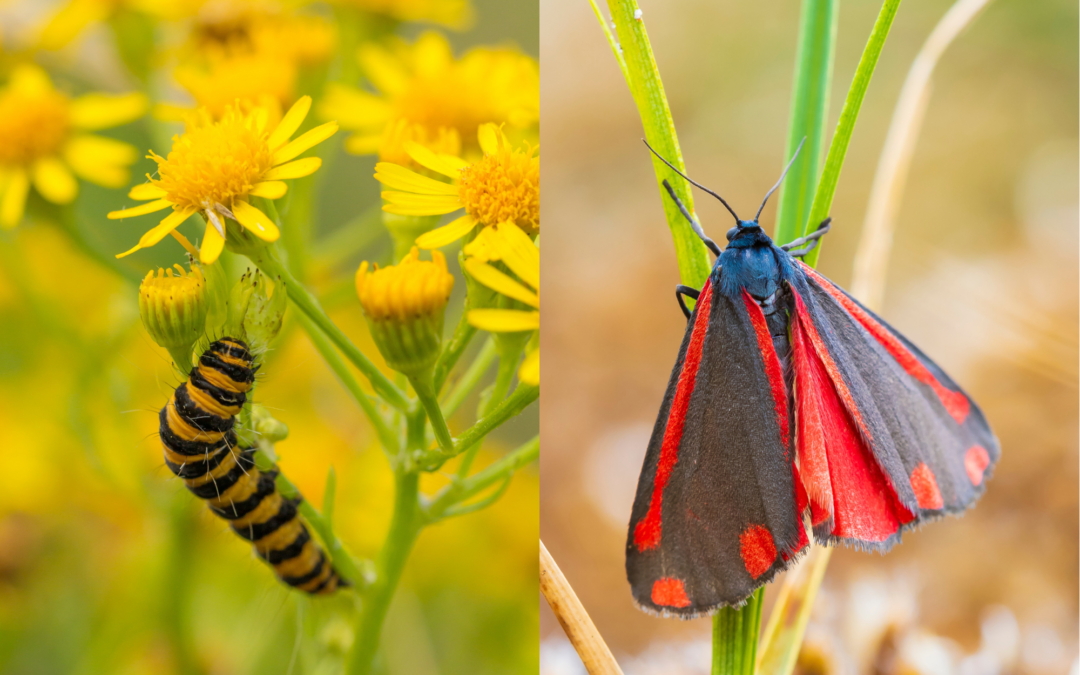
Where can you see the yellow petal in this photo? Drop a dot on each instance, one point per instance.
(405, 203)
(488, 135)
(140, 210)
(400, 178)
(256, 221)
(444, 164)
(271, 189)
(359, 144)
(497, 281)
(305, 141)
(69, 21)
(446, 234)
(54, 181)
(529, 373)
(504, 320)
(171, 112)
(354, 109)
(146, 191)
(101, 111)
(101, 150)
(518, 252)
(167, 225)
(298, 169)
(211, 246)
(289, 124)
(29, 79)
(14, 199)
(383, 69)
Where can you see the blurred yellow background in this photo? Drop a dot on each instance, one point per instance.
(983, 277)
(94, 527)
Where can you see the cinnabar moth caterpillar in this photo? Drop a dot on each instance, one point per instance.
(201, 448)
(790, 400)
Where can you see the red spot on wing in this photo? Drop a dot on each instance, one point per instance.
(773, 369)
(669, 592)
(926, 489)
(757, 550)
(647, 531)
(842, 479)
(956, 404)
(976, 460)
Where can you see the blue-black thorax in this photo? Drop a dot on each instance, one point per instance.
(751, 261)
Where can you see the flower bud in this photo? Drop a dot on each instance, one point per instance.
(173, 308)
(256, 309)
(404, 305)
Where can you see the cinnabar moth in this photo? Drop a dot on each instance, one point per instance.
(201, 448)
(790, 399)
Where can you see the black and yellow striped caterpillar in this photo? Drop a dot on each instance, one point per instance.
(201, 448)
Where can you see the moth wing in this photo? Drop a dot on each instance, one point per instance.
(717, 513)
(930, 444)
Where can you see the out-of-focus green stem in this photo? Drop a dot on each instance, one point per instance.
(266, 260)
(648, 91)
(512, 406)
(425, 391)
(830, 175)
(735, 637)
(387, 437)
(463, 334)
(814, 58)
(471, 378)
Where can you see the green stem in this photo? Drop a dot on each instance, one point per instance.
(425, 391)
(735, 637)
(463, 334)
(473, 374)
(652, 105)
(405, 525)
(344, 563)
(508, 364)
(830, 175)
(814, 58)
(518, 401)
(267, 261)
(387, 437)
(177, 580)
(466, 488)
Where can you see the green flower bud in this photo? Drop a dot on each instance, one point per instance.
(173, 307)
(256, 308)
(404, 305)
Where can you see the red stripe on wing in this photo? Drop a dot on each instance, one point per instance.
(955, 403)
(647, 531)
(842, 479)
(772, 366)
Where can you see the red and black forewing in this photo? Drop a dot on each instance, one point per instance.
(717, 507)
(862, 393)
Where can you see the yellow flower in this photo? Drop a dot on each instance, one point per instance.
(256, 80)
(43, 140)
(232, 29)
(450, 13)
(517, 252)
(215, 168)
(424, 85)
(501, 187)
(404, 305)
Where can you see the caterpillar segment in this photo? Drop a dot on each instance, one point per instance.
(201, 448)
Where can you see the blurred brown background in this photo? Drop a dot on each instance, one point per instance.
(983, 276)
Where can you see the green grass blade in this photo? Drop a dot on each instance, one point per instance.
(830, 175)
(643, 79)
(735, 637)
(814, 59)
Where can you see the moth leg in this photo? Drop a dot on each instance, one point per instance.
(811, 240)
(680, 291)
(693, 223)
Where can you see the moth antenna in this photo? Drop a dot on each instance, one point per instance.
(784, 173)
(692, 181)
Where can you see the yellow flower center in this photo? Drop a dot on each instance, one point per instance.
(32, 125)
(410, 290)
(215, 163)
(503, 187)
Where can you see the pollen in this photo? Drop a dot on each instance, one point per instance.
(503, 187)
(215, 163)
(33, 124)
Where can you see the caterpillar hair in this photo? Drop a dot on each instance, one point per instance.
(201, 448)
